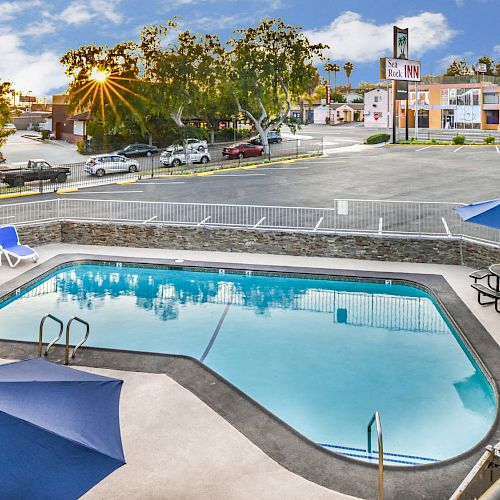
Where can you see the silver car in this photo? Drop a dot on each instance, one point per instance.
(173, 157)
(100, 165)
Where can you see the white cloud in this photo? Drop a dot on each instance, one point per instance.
(496, 50)
(81, 12)
(468, 56)
(39, 28)
(9, 9)
(28, 69)
(356, 39)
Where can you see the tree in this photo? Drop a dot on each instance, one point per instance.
(489, 65)
(335, 69)
(497, 69)
(105, 81)
(336, 97)
(457, 69)
(270, 66)
(5, 111)
(348, 67)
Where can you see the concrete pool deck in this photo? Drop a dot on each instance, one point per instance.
(178, 447)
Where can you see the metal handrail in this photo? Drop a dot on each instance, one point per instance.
(376, 418)
(40, 334)
(68, 327)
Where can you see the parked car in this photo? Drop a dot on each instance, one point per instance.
(37, 170)
(196, 144)
(134, 150)
(9, 127)
(107, 164)
(173, 157)
(244, 150)
(273, 136)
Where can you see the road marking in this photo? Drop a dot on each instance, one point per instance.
(498, 150)
(105, 192)
(458, 149)
(148, 183)
(421, 149)
(281, 168)
(236, 175)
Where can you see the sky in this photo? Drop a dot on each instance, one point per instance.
(34, 34)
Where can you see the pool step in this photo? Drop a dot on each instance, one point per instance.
(389, 458)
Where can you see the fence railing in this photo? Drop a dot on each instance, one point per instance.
(22, 179)
(406, 218)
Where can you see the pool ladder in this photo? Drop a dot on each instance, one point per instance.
(376, 418)
(61, 328)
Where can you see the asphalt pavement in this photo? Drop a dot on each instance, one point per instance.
(348, 170)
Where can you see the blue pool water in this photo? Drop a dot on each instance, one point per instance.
(321, 355)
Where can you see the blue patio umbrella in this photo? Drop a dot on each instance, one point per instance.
(59, 430)
(486, 213)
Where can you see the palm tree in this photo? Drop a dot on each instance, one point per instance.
(348, 67)
(335, 69)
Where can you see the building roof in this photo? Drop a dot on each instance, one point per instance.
(82, 117)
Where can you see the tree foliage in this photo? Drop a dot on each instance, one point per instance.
(270, 66)
(171, 76)
(5, 110)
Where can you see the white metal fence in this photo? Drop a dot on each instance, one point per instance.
(411, 218)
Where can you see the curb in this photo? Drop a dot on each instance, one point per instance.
(131, 181)
(18, 195)
(68, 190)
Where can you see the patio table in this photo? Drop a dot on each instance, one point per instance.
(495, 270)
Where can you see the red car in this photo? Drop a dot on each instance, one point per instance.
(242, 151)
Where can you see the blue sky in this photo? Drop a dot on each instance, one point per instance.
(35, 33)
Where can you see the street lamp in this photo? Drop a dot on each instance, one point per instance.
(31, 109)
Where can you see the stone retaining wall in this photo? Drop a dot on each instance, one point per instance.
(383, 248)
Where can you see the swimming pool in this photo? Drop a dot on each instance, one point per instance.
(322, 355)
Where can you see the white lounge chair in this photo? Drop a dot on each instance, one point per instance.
(12, 249)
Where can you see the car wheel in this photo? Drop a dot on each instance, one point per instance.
(201, 148)
(204, 159)
(148, 153)
(241, 156)
(132, 169)
(61, 177)
(176, 163)
(261, 152)
(100, 172)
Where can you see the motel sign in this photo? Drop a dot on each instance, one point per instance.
(401, 69)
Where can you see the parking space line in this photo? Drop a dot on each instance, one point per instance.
(235, 175)
(103, 192)
(458, 149)
(498, 150)
(148, 183)
(421, 149)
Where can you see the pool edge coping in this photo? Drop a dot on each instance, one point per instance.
(341, 473)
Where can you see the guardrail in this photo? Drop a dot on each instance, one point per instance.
(405, 218)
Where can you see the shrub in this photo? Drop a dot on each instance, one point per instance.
(489, 139)
(227, 134)
(378, 139)
(80, 146)
(45, 134)
(459, 139)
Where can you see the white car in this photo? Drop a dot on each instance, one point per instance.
(196, 144)
(173, 157)
(9, 127)
(107, 164)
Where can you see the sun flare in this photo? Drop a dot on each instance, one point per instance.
(99, 75)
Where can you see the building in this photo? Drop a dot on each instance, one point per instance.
(447, 103)
(378, 108)
(338, 113)
(64, 125)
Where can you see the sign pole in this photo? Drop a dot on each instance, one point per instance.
(394, 112)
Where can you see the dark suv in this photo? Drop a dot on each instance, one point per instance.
(273, 136)
(137, 150)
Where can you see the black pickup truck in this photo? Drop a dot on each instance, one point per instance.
(37, 170)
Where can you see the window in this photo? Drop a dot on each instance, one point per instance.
(490, 98)
(492, 117)
(378, 98)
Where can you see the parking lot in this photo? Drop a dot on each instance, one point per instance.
(348, 170)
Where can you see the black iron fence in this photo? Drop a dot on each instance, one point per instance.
(14, 181)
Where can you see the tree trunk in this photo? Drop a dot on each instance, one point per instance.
(177, 117)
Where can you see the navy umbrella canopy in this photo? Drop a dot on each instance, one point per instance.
(59, 430)
(486, 213)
